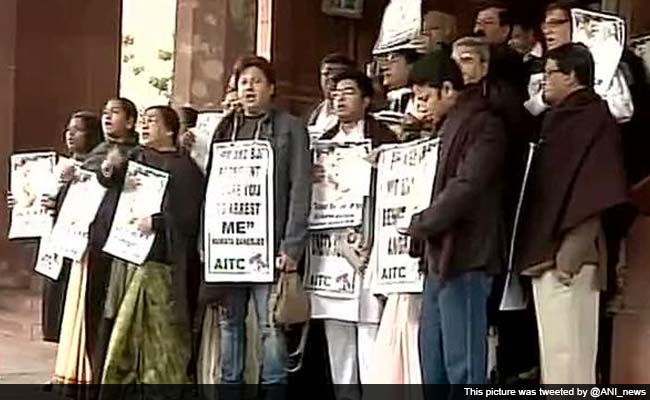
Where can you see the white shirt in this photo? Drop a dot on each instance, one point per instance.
(355, 134)
(367, 308)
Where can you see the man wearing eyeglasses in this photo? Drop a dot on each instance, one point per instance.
(323, 117)
(395, 67)
(494, 22)
(351, 336)
(557, 32)
(576, 180)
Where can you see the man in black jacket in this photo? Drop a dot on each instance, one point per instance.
(461, 229)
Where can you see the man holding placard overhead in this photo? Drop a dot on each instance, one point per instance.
(257, 206)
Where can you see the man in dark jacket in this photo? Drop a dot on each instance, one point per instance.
(462, 229)
(577, 177)
(494, 22)
(515, 329)
(292, 181)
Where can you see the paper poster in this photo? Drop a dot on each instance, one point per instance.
(206, 124)
(142, 196)
(641, 47)
(400, 25)
(239, 213)
(405, 176)
(604, 35)
(70, 232)
(337, 200)
(48, 262)
(328, 273)
(32, 176)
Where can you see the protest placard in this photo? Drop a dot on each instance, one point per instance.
(48, 262)
(239, 216)
(604, 35)
(142, 196)
(82, 200)
(337, 199)
(206, 124)
(328, 273)
(32, 176)
(400, 26)
(405, 177)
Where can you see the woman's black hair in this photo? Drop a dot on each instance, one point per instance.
(92, 128)
(188, 115)
(169, 118)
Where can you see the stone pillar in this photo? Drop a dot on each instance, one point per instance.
(7, 93)
(210, 35)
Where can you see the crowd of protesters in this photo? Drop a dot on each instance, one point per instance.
(485, 95)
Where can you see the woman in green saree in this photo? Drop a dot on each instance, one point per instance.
(151, 341)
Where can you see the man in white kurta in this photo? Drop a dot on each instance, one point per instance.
(351, 324)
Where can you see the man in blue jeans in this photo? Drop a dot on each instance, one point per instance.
(292, 181)
(460, 233)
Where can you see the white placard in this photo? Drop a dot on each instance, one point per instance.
(206, 124)
(337, 201)
(48, 262)
(604, 35)
(400, 25)
(239, 214)
(405, 177)
(142, 196)
(79, 208)
(32, 176)
(328, 273)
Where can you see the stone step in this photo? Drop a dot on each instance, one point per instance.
(20, 301)
(17, 278)
(18, 326)
(20, 313)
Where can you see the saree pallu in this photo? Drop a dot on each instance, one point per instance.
(72, 361)
(147, 345)
(397, 359)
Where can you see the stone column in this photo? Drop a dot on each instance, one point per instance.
(210, 35)
(7, 93)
